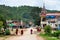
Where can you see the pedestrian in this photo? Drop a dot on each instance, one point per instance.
(21, 32)
(39, 29)
(31, 31)
(17, 31)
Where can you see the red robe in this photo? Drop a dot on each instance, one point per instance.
(16, 31)
(31, 31)
(21, 32)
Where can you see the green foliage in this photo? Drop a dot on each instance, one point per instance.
(3, 19)
(47, 29)
(53, 11)
(1, 25)
(26, 13)
(47, 37)
(7, 32)
(56, 34)
(50, 36)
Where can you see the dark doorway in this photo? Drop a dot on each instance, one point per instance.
(44, 19)
(44, 25)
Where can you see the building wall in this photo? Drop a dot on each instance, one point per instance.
(53, 25)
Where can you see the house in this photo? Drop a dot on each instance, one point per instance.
(52, 19)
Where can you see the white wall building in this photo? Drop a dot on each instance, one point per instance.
(52, 19)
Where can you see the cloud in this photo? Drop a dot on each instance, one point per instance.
(21, 2)
(52, 4)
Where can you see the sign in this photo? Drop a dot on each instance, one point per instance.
(11, 24)
(50, 16)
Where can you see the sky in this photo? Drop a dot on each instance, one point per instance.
(49, 4)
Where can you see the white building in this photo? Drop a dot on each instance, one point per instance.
(52, 19)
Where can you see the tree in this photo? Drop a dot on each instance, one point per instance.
(3, 20)
(47, 29)
(21, 13)
(1, 25)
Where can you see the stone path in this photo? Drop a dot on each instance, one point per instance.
(26, 36)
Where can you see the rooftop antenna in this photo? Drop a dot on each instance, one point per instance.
(43, 8)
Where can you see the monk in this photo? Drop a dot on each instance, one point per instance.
(31, 31)
(17, 31)
(21, 32)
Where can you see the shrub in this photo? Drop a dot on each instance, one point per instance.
(47, 29)
(1, 25)
(56, 34)
(7, 32)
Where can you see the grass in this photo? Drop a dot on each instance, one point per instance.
(47, 37)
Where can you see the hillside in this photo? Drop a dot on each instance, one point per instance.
(25, 13)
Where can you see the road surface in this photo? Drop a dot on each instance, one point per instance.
(26, 36)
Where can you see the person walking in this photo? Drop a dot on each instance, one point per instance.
(17, 31)
(21, 32)
(31, 31)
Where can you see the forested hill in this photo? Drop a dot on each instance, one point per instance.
(25, 13)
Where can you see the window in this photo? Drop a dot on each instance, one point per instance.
(56, 25)
(44, 19)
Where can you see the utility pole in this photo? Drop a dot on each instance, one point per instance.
(17, 16)
(22, 23)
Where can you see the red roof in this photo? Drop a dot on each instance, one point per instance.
(56, 14)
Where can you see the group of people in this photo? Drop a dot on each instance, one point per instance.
(17, 32)
(22, 31)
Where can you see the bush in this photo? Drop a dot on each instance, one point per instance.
(56, 34)
(1, 25)
(47, 37)
(47, 29)
(7, 32)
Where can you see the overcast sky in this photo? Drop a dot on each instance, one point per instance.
(50, 4)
